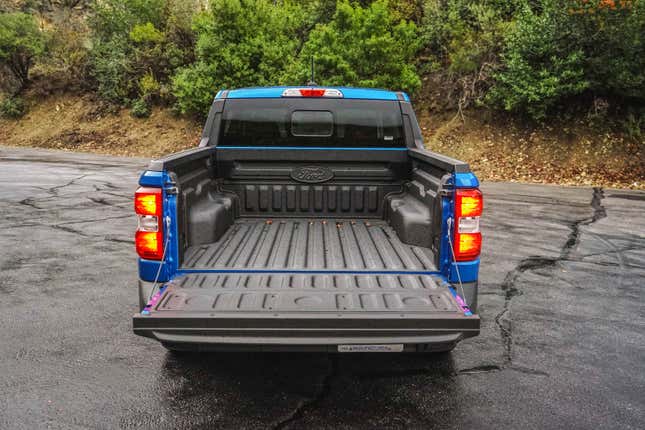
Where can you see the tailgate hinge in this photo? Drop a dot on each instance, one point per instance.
(170, 185)
(447, 186)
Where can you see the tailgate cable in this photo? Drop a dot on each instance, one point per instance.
(454, 260)
(146, 310)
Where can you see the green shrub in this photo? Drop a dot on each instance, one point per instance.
(12, 107)
(140, 108)
(142, 33)
(111, 69)
(462, 41)
(633, 124)
(194, 88)
(67, 49)
(239, 43)
(537, 73)
(610, 33)
(564, 50)
(149, 86)
(133, 38)
(21, 41)
(361, 46)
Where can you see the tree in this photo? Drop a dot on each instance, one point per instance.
(21, 41)
(239, 43)
(573, 49)
(361, 46)
(137, 45)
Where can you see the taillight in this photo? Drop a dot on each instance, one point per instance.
(149, 236)
(469, 205)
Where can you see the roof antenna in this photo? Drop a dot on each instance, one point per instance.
(312, 81)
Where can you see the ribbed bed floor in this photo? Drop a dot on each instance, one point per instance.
(303, 244)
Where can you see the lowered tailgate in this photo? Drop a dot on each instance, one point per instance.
(305, 309)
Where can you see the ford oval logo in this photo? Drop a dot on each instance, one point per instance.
(312, 174)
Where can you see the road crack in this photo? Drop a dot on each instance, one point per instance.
(509, 285)
(54, 190)
(308, 404)
(599, 212)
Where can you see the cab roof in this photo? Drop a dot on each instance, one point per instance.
(348, 93)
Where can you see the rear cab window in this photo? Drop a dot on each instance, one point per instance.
(314, 122)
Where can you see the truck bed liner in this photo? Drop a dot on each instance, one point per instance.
(310, 244)
(296, 293)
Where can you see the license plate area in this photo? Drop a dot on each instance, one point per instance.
(371, 348)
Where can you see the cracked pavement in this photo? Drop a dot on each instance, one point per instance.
(562, 342)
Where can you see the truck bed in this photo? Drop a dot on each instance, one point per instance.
(310, 244)
(306, 283)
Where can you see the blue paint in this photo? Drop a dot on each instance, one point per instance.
(311, 148)
(466, 180)
(151, 178)
(469, 271)
(348, 93)
(445, 252)
(148, 270)
(170, 212)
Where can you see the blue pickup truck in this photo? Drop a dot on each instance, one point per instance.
(311, 219)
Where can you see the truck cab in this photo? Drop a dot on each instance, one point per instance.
(310, 219)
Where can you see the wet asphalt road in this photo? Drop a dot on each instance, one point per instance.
(562, 342)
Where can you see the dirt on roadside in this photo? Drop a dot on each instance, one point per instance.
(497, 149)
(74, 123)
(503, 149)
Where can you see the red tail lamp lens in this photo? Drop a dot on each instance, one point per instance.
(469, 246)
(312, 92)
(469, 205)
(147, 201)
(148, 239)
(149, 244)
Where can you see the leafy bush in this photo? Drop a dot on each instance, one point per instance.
(194, 88)
(149, 86)
(133, 38)
(142, 33)
(67, 49)
(535, 56)
(361, 46)
(110, 67)
(610, 35)
(462, 41)
(633, 123)
(537, 72)
(239, 43)
(12, 107)
(562, 50)
(21, 41)
(140, 108)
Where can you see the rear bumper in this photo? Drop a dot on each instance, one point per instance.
(306, 332)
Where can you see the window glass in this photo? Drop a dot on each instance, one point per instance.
(316, 122)
(312, 123)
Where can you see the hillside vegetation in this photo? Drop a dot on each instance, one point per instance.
(570, 71)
